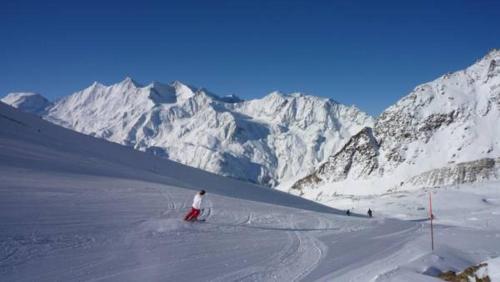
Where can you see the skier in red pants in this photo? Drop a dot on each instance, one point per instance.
(193, 214)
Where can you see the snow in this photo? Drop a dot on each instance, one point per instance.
(73, 207)
(27, 101)
(248, 140)
(466, 225)
(422, 138)
(494, 269)
(78, 208)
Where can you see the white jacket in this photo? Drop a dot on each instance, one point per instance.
(197, 201)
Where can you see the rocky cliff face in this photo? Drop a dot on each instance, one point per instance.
(356, 159)
(466, 172)
(266, 140)
(454, 119)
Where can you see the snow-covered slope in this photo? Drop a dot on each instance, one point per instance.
(451, 121)
(27, 102)
(31, 143)
(77, 208)
(73, 207)
(269, 140)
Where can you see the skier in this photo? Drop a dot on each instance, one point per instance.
(370, 213)
(193, 214)
(348, 212)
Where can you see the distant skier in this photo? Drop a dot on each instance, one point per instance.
(193, 214)
(348, 212)
(370, 213)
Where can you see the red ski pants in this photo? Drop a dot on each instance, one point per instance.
(192, 214)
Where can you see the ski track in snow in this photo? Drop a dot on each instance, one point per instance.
(241, 240)
(133, 230)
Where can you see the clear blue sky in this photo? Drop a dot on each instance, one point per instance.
(367, 53)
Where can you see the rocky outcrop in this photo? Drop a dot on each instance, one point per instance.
(451, 120)
(356, 159)
(478, 273)
(466, 172)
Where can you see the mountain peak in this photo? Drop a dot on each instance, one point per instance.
(180, 84)
(27, 101)
(128, 81)
(183, 91)
(276, 93)
(232, 138)
(274, 96)
(493, 53)
(21, 94)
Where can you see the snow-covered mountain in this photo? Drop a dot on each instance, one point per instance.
(27, 102)
(269, 140)
(445, 131)
(78, 208)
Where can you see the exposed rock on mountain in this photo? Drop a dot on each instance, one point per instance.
(454, 119)
(356, 159)
(467, 172)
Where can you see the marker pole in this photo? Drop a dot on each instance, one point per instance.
(432, 218)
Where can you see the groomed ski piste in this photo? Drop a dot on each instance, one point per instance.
(76, 208)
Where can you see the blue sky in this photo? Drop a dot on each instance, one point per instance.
(367, 53)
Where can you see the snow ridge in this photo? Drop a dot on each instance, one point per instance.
(27, 102)
(266, 141)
